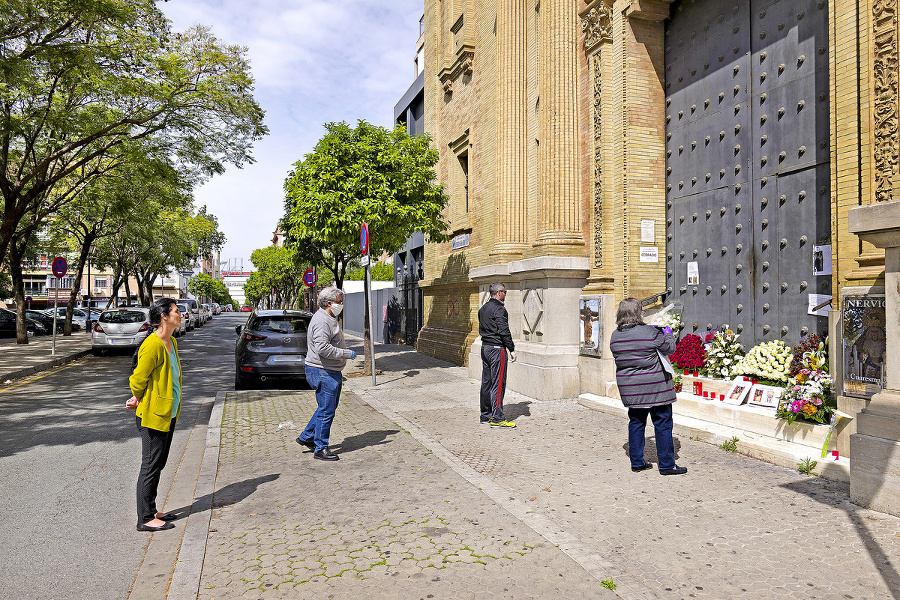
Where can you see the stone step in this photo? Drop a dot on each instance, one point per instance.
(776, 447)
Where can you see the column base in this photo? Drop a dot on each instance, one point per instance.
(540, 372)
(875, 473)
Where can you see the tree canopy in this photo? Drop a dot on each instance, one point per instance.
(362, 174)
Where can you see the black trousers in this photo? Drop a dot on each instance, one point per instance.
(155, 446)
(493, 382)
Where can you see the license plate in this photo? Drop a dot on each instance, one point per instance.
(291, 360)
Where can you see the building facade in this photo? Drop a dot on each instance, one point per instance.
(704, 152)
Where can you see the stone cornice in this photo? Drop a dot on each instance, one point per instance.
(648, 10)
(463, 64)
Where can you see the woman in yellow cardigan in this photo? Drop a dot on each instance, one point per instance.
(156, 388)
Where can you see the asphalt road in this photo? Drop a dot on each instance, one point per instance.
(69, 458)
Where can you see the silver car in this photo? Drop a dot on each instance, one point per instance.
(120, 328)
(187, 317)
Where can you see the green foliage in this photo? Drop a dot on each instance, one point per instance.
(278, 274)
(729, 445)
(88, 85)
(608, 583)
(380, 272)
(807, 466)
(364, 174)
(202, 285)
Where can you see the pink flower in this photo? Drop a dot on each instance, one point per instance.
(797, 405)
(817, 401)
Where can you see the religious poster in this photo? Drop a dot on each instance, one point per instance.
(765, 395)
(822, 260)
(738, 391)
(590, 326)
(864, 344)
(693, 273)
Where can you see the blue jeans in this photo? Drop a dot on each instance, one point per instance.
(662, 424)
(328, 391)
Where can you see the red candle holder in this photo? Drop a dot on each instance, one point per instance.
(706, 394)
(754, 381)
(722, 397)
(686, 372)
(696, 373)
(698, 389)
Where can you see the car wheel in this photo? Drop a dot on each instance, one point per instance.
(96, 351)
(240, 380)
(29, 333)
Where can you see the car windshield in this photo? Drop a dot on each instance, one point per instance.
(280, 324)
(122, 316)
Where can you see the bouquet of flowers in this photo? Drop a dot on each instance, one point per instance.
(689, 354)
(770, 361)
(810, 393)
(812, 343)
(678, 383)
(666, 318)
(723, 354)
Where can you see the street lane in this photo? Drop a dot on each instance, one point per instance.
(69, 457)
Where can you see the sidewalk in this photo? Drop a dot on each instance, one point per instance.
(22, 360)
(425, 502)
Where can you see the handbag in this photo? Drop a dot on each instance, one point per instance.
(666, 365)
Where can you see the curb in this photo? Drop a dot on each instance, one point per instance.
(188, 569)
(45, 366)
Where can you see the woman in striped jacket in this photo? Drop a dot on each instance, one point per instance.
(644, 385)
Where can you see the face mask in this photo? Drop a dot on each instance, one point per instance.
(336, 309)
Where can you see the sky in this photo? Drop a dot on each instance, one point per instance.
(314, 62)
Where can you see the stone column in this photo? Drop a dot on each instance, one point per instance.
(875, 447)
(512, 208)
(559, 213)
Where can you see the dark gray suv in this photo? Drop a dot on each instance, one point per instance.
(272, 344)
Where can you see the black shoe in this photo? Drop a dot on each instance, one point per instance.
(676, 470)
(325, 454)
(164, 526)
(168, 517)
(643, 467)
(307, 443)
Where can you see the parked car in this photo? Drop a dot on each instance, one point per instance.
(207, 310)
(272, 344)
(120, 328)
(8, 325)
(195, 310)
(246, 309)
(47, 321)
(187, 317)
(216, 309)
(79, 315)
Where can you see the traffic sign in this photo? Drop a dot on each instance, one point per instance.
(59, 267)
(309, 277)
(364, 238)
(28, 298)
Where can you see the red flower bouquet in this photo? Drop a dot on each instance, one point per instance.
(689, 354)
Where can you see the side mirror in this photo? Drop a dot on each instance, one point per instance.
(237, 329)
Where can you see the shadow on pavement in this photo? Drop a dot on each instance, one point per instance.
(825, 491)
(364, 440)
(228, 495)
(650, 448)
(515, 410)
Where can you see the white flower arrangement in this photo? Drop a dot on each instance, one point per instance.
(723, 354)
(666, 318)
(770, 360)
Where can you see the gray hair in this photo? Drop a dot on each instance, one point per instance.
(630, 312)
(329, 294)
(496, 288)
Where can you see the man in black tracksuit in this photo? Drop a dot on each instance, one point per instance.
(496, 343)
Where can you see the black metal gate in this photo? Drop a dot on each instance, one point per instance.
(747, 173)
(410, 308)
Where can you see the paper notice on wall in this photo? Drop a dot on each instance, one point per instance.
(649, 254)
(648, 231)
(693, 274)
(819, 305)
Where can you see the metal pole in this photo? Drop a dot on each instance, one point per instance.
(371, 317)
(55, 315)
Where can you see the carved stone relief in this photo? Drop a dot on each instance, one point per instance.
(532, 311)
(596, 24)
(598, 167)
(887, 154)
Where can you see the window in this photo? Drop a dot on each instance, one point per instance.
(99, 284)
(464, 172)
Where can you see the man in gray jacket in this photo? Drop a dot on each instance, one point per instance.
(326, 355)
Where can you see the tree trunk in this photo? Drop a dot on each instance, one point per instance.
(127, 291)
(15, 271)
(79, 271)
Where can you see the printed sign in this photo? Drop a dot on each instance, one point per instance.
(821, 260)
(649, 254)
(864, 344)
(648, 231)
(693, 274)
(460, 241)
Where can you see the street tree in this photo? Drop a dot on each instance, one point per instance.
(202, 286)
(280, 272)
(360, 174)
(82, 79)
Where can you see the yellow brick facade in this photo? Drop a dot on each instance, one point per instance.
(567, 161)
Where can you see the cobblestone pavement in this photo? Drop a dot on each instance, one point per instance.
(733, 527)
(399, 516)
(389, 520)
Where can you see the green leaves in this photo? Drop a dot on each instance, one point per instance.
(363, 174)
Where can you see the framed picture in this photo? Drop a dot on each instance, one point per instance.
(738, 392)
(589, 314)
(765, 395)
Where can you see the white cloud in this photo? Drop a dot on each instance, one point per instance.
(314, 61)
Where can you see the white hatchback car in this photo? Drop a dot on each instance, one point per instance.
(120, 328)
